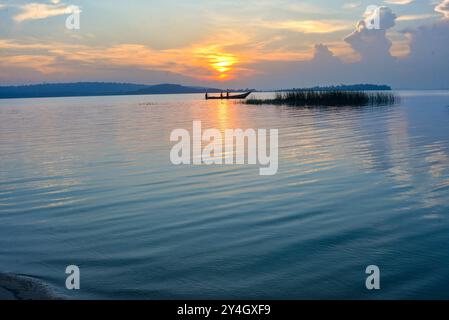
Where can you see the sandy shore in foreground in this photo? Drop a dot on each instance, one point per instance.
(18, 287)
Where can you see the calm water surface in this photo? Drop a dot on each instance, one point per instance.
(88, 181)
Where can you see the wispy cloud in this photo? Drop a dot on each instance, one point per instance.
(400, 2)
(311, 26)
(37, 11)
(443, 8)
(352, 5)
(414, 17)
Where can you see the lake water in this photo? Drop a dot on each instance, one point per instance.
(88, 181)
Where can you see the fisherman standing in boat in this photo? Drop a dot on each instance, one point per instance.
(207, 97)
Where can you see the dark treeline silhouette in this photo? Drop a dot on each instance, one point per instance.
(97, 89)
(328, 98)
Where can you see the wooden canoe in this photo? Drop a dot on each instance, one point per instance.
(226, 97)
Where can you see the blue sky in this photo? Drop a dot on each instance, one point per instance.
(254, 43)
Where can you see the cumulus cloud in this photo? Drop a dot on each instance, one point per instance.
(373, 44)
(387, 18)
(430, 44)
(324, 55)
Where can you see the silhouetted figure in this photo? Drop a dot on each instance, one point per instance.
(227, 94)
(221, 95)
(207, 96)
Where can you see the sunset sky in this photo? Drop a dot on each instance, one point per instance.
(226, 43)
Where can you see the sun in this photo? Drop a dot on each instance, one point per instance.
(223, 64)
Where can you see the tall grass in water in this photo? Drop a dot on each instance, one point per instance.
(328, 98)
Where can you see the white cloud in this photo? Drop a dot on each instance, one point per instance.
(443, 8)
(352, 5)
(37, 11)
(430, 44)
(311, 26)
(373, 44)
(400, 2)
(414, 17)
(324, 55)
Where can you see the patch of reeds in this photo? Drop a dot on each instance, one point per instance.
(328, 98)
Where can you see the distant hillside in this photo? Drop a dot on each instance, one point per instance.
(174, 89)
(342, 87)
(95, 89)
